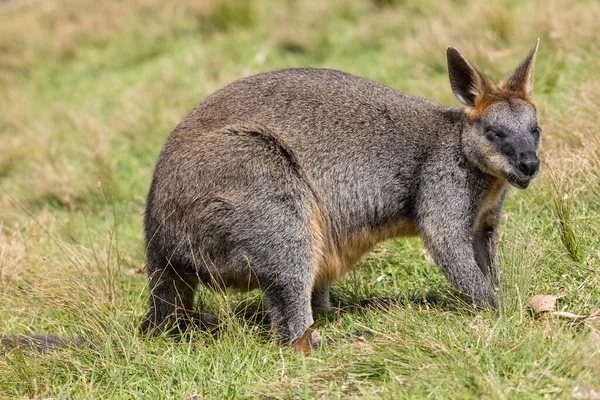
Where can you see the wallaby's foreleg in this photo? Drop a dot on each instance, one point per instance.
(455, 256)
(171, 298)
(321, 300)
(484, 246)
(447, 233)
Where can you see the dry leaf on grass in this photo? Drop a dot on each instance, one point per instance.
(305, 342)
(546, 304)
(541, 303)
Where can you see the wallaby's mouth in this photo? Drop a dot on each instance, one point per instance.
(520, 183)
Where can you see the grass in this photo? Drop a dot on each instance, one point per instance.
(89, 92)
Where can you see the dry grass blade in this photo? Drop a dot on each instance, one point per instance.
(569, 315)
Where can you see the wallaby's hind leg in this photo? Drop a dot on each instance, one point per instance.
(288, 306)
(171, 297)
(251, 210)
(286, 259)
(285, 262)
(321, 299)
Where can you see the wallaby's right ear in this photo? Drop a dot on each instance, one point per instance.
(467, 83)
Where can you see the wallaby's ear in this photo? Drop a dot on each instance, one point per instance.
(468, 84)
(522, 79)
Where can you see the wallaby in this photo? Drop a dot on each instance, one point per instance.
(282, 180)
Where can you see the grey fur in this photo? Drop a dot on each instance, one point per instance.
(282, 180)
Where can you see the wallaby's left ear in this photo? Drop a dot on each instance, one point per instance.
(468, 84)
(522, 79)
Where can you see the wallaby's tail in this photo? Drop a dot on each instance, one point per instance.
(42, 343)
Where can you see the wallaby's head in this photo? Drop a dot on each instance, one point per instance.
(501, 134)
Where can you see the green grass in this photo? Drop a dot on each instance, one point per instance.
(89, 92)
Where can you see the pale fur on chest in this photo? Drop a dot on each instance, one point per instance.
(490, 205)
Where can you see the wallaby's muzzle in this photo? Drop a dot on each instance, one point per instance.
(519, 147)
(528, 167)
(529, 164)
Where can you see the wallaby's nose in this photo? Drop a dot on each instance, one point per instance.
(529, 165)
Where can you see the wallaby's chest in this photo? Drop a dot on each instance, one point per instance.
(490, 205)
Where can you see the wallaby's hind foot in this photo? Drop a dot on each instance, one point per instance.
(171, 299)
(290, 312)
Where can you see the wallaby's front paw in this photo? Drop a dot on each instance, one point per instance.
(486, 302)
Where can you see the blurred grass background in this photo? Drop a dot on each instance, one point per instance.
(89, 92)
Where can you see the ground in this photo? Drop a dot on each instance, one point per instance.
(89, 92)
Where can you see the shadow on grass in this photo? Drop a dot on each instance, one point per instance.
(251, 312)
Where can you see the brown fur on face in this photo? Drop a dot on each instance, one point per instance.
(493, 95)
(518, 85)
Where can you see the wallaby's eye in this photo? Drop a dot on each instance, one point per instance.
(492, 134)
(537, 131)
